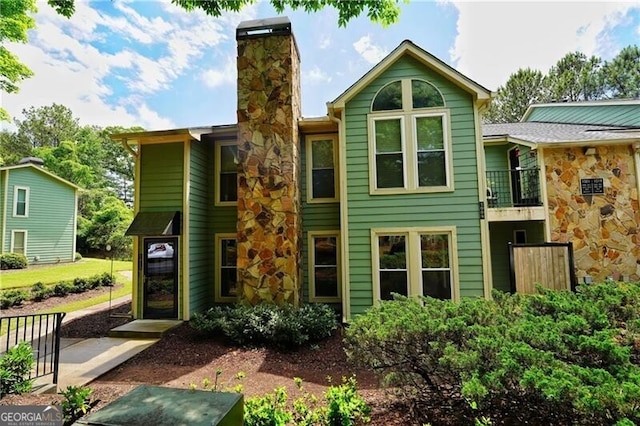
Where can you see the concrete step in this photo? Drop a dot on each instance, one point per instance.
(144, 329)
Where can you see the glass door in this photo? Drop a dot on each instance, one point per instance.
(160, 291)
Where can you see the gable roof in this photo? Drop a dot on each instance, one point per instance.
(616, 112)
(41, 170)
(407, 47)
(558, 133)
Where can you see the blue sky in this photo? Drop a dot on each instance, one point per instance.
(152, 64)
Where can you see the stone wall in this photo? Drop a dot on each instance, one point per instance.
(602, 228)
(269, 210)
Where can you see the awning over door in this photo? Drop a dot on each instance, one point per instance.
(155, 223)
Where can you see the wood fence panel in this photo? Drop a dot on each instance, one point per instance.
(548, 264)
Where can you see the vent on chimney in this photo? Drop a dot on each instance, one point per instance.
(32, 160)
(263, 28)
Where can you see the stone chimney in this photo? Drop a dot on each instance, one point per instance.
(269, 211)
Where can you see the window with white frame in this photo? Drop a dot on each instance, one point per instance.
(414, 262)
(19, 242)
(409, 142)
(227, 172)
(324, 270)
(226, 270)
(321, 168)
(21, 201)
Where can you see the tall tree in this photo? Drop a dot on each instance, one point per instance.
(14, 24)
(524, 87)
(47, 126)
(622, 74)
(12, 149)
(575, 77)
(386, 12)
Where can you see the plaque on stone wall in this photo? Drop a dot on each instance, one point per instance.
(592, 186)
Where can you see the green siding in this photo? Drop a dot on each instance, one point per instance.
(161, 189)
(501, 234)
(200, 238)
(3, 195)
(161, 174)
(615, 115)
(50, 223)
(315, 217)
(458, 208)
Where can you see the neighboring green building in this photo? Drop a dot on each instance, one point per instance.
(384, 194)
(38, 213)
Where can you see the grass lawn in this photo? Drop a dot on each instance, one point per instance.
(60, 272)
(81, 304)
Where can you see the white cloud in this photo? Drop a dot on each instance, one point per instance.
(315, 75)
(147, 54)
(494, 40)
(216, 77)
(325, 41)
(369, 51)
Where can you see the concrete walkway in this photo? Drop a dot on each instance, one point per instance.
(83, 360)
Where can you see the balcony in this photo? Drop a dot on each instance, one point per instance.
(514, 194)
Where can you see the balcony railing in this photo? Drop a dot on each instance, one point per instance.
(514, 188)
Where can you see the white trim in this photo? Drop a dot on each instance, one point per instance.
(544, 194)
(309, 140)
(480, 94)
(137, 282)
(410, 151)
(16, 189)
(218, 163)
(75, 226)
(485, 239)
(218, 298)
(414, 264)
(42, 170)
(344, 215)
(26, 238)
(311, 235)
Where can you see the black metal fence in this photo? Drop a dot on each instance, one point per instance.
(514, 188)
(42, 331)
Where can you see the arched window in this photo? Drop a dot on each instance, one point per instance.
(409, 138)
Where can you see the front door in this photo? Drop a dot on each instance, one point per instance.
(516, 179)
(160, 289)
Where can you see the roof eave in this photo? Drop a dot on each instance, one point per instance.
(481, 94)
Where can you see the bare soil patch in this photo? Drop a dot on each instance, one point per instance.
(183, 357)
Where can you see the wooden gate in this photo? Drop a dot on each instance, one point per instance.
(548, 264)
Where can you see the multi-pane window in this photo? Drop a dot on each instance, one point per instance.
(392, 261)
(321, 164)
(324, 270)
(415, 262)
(227, 176)
(227, 285)
(409, 138)
(21, 202)
(435, 265)
(19, 242)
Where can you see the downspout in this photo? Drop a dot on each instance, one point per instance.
(126, 146)
(482, 189)
(344, 228)
(135, 279)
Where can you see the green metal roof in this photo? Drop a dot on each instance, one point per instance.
(608, 113)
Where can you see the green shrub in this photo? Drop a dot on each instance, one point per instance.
(344, 407)
(15, 368)
(63, 288)
(76, 402)
(80, 285)
(41, 292)
(13, 261)
(77, 257)
(106, 279)
(271, 325)
(11, 298)
(564, 357)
